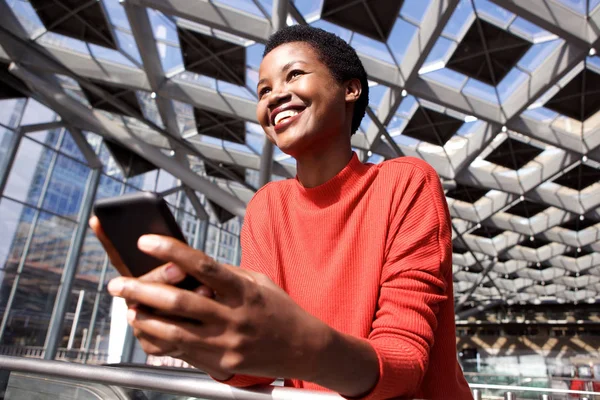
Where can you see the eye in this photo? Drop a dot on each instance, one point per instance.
(295, 73)
(263, 91)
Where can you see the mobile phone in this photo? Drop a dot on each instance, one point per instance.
(126, 218)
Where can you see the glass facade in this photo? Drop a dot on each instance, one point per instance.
(40, 212)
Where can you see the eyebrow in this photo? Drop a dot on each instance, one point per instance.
(283, 69)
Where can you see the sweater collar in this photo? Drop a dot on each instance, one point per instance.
(343, 182)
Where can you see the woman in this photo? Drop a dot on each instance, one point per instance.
(346, 276)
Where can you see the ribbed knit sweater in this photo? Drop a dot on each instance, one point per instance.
(369, 252)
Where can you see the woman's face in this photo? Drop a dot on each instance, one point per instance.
(301, 105)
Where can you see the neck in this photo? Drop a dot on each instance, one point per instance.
(321, 165)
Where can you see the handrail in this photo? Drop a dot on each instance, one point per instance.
(549, 377)
(182, 385)
(515, 389)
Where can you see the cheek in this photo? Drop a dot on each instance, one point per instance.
(261, 115)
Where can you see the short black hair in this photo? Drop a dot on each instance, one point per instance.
(335, 53)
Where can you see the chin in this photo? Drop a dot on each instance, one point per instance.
(292, 143)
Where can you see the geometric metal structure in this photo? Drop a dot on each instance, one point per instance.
(85, 21)
(212, 57)
(487, 52)
(499, 96)
(380, 16)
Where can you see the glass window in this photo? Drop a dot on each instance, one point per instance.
(6, 136)
(11, 111)
(38, 282)
(66, 187)
(28, 172)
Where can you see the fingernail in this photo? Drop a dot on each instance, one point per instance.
(149, 242)
(131, 315)
(115, 286)
(173, 273)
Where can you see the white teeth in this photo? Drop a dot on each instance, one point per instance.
(285, 114)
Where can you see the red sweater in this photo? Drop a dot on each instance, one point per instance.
(369, 253)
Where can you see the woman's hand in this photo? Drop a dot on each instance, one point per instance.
(251, 326)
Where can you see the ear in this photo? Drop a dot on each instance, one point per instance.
(353, 90)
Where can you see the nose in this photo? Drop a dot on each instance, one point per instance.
(277, 97)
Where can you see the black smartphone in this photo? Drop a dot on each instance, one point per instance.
(126, 218)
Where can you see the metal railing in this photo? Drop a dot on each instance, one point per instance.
(198, 385)
(184, 384)
(514, 392)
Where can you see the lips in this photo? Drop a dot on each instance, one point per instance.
(284, 113)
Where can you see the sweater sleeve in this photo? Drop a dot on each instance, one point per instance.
(255, 257)
(413, 283)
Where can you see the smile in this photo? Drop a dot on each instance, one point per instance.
(284, 118)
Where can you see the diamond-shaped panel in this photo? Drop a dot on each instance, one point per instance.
(236, 170)
(125, 95)
(83, 20)
(577, 252)
(536, 243)
(487, 232)
(431, 126)
(580, 98)
(220, 126)
(210, 56)
(487, 53)
(513, 154)
(526, 209)
(579, 177)
(466, 193)
(372, 18)
(578, 224)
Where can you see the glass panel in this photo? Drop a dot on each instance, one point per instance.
(116, 13)
(69, 147)
(165, 181)
(14, 231)
(11, 111)
(109, 164)
(128, 45)
(400, 38)
(67, 187)
(77, 323)
(5, 138)
(28, 173)
(37, 113)
(49, 138)
(108, 187)
(34, 299)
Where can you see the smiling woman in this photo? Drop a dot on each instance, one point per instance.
(346, 278)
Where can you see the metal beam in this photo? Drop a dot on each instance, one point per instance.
(141, 29)
(434, 21)
(213, 15)
(196, 203)
(278, 21)
(89, 154)
(46, 126)
(77, 114)
(553, 17)
(9, 158)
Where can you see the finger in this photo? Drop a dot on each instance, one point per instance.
(169, 273)
(154, 346)
(167, 299)
(223, 279)
(113, 255)
(206, 361)
(178, 333)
